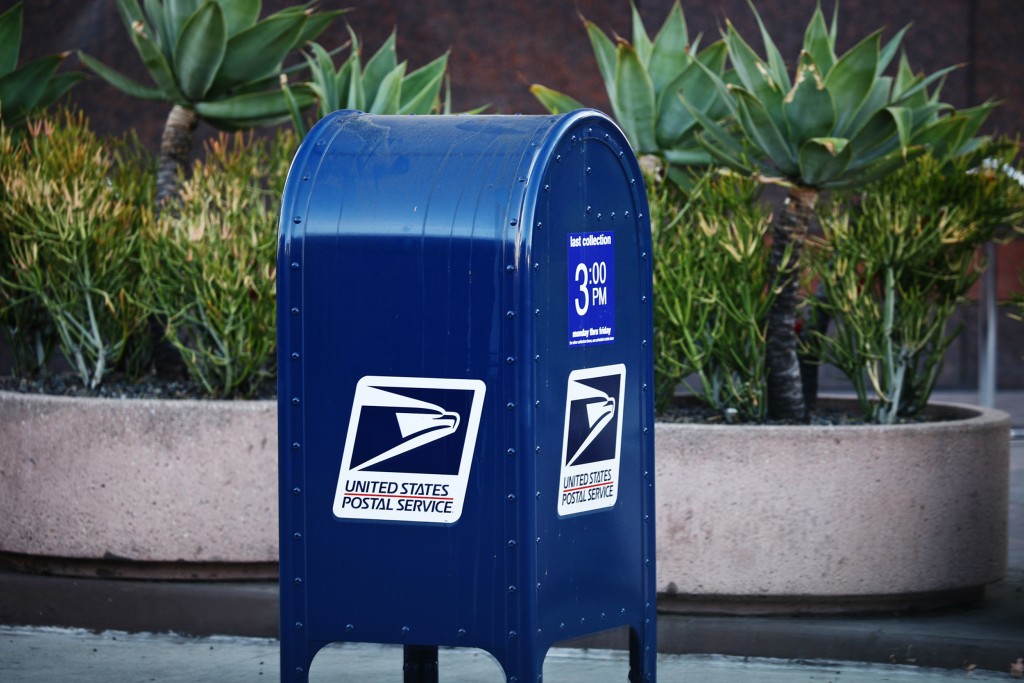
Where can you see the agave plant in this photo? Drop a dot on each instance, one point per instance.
(644, 79)
(31, 86)
(381, 87)
(212, 59)
(839, 123)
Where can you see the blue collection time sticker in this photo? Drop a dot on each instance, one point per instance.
(591, 288)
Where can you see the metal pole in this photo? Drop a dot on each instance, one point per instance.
(987, 330)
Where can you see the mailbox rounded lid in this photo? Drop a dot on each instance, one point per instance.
(432, 176)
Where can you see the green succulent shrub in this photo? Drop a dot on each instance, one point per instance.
(711, 293)
(644, 79)
(209, 270)
(23, 320)
(382, 86)
(30, 87)
(894, 261)
(840, 122)
(85, 265)
(215, 60)
(70, 214)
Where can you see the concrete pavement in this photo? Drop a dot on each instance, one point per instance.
(53, 655)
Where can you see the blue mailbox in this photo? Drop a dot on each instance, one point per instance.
(465, 389)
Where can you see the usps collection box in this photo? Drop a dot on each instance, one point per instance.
(465, 388)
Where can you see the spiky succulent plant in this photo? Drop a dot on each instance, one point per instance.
(644, 79)
(381, 86)
(212, 59)
(839, 123)
(32, 86)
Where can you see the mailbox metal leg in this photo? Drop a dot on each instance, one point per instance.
(297, 656)
(420, 663)
(522, 664)
(642, 658)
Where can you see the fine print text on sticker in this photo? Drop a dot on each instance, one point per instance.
(409, 449)
(592, 439)
(591, 274)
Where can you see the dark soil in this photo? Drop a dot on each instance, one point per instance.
(689, 412)
(116, 386)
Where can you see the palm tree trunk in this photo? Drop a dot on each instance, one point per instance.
(785, 388)
(175, 148)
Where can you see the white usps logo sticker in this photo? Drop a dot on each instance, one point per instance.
(409, 449)
(592, 440)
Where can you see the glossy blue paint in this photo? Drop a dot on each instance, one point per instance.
(443, 247)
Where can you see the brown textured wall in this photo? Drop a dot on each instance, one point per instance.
(499, 48)
(998, 61)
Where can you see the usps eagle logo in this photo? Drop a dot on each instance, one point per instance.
(592, 439)
(409, 449)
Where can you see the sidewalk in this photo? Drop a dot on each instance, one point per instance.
(49, 655)
(981, 641)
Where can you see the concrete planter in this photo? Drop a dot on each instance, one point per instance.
(150, 488)
(765, 519)
(750, 519)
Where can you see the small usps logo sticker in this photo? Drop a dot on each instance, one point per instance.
(409, 449)
(592, 440)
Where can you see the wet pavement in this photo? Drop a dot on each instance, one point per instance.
(49, 655)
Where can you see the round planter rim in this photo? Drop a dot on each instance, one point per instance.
(947, 414)
(255, 403)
